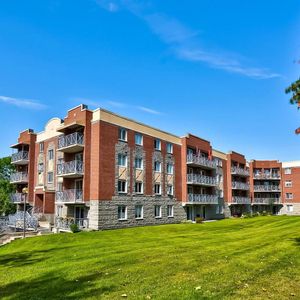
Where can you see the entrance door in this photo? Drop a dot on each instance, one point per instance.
(203, 212)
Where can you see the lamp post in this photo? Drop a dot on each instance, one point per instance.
(25, 192)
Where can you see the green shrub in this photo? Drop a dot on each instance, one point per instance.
(256, 214)
(199, 220)
(74, 228)
(247, 216)
(264, 213)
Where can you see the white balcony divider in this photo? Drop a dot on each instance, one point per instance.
(203, 198)
(267, 201)
(240, 185)
(18, 197)
(75, 138)
(69, 196)
(65, 223)
(267, 188)
(266, 176)
(201, 179)
(241, 200)
(240, 171)
(70, 167)
(201, 161)
(19, 177)
(21, 155)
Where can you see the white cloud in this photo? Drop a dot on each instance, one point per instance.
(23, 103)
(116, 104)
(149, 110)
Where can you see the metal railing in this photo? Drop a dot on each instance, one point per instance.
(240, 185)
(203, 198)
(19, 177)
(72, 139)
(266, 176)
(267, 188)
(17, 197)
(266, 201)
(70, 167)
(241, 200)
(69, 196)
(201, 161)
(240, 171)
(21, 155)
(201, 179)
(65, 223)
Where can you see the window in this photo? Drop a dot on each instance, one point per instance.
(122, 134)
(157, 189)
(289, 196)
(287, 171)
(170, 190)
(139, 187)
(50, 177)
(288, 183)
(41, 146)
(50, 154)
(59, 186)
(290, 208)
(138, 139)
(40, 168)
(59, 210)
(170, 211)
(122, 160)
(139, 212)
(219, 209)
(157, 144)
(169, 148)
(157, 166)
(219, 178)
(157, 211)
(138, 163)
(170, 169)
(122, 186)
(122, 212)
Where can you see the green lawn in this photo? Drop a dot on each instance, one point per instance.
(255, 258)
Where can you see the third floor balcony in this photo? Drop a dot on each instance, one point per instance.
(19, 177)
(201, 161)
(70, 169)
(263, 176)
(199, 179)
(240, 186)
(267, 188)
(20, 158)
(240, 171)
(71, 143)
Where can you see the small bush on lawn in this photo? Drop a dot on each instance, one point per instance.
(264, 213)
(199, 220)
(256, 214)
(74, 228)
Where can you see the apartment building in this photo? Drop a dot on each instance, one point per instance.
(101, 170)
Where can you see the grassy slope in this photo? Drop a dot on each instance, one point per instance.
(231, 259)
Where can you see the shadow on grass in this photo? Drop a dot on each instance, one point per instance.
(297, 241)
(54, 285)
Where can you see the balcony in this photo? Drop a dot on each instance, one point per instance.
(204, 162)
(239, 171)
(198, 179)
(240, 186)
(17, 198)
(241, 200)
(202, 199)
(70, 169)
(69, 196)
(19, 177)
(267, 188)
(71, 143)
(266, 201)
(64, 224)
(20, 158)
(263, 176)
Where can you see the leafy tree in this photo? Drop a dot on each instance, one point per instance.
(294, 88)
(6, 188)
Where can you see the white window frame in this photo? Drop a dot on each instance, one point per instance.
(289, 208)
(157, 184)
(288, 183)
(122, 192)
(157, 142)
(170, 192)
(159, 210)
(170, 211)
(171, 171)
(141, 167)
(122, 160)
(170, 148)
(135, 139)
(48, 181)
(287, 171)
(120, 213)
(142, 188)
(157, 163)
(41, 147)
(141, 212)
(121, 137)
(50, 154)
(289, 196)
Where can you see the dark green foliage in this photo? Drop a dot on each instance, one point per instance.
(294, 88)
(74, 228)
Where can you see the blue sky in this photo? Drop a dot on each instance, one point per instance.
(217, 69)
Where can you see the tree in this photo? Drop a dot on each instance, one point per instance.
(294, 88)
(6, 188)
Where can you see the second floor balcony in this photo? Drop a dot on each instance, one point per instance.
(240, 186)
(69, 196)
(266, 201)
(263, 176)
(20, 158)
(199, 179)
(71, 143)
(17, 198)
(267, 188)
(240, 171)
(201, 161)
(70, 169)
(19, 177)
(202, 199)
(241, 200)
